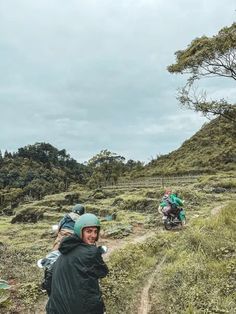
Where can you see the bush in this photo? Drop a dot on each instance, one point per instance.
(139, 205)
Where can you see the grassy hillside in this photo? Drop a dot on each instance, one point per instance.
(131, 266)
(196, 265)
(211, 149)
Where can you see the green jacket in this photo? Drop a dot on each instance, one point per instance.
(173, 199)
(75, 288)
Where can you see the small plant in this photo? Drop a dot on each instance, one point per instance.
(4, 293)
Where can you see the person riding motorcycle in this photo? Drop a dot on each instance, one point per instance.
(66, 224)
(170, 203)
(65, 229)
(74, 287)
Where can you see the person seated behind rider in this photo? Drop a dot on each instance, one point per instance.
(170, 202)
(66, 224)
(65, 229)
(75, 288)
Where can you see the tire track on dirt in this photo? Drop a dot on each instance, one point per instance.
(145, 305)
(116, 244)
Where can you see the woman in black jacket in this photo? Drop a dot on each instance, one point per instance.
(75, 288)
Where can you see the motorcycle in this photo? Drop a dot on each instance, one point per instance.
(46, 264)
(174, 220)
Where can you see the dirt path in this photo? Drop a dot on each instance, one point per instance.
(139, 235)
(145, 305)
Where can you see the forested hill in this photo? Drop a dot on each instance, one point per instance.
(37, 170)
(211, 149)
(40, 169)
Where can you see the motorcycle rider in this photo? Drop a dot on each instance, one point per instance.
(66, 224)
(170, 203)
(75, 288)
(65, 229)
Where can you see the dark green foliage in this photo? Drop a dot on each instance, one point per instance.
(41, 169)
(45, 153)
(107, 167)
(207, 57)
(37, 170)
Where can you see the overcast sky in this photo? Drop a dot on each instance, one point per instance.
(91, 75)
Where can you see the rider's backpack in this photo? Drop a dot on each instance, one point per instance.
(168, 201)
(68, 221)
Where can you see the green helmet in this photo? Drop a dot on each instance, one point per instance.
(86, 220)
(78, 209)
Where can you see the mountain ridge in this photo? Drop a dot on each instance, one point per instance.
(211, 149)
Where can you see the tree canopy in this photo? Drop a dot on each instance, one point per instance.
(107, 168)
(37, 170)
(207, 57)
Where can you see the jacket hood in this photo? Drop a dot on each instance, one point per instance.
(69, 243)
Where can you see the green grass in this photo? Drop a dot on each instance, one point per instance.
(200, 273)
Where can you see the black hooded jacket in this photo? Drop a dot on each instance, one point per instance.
(75, 288)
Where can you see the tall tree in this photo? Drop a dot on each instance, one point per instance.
(105, 167)
(207, 57)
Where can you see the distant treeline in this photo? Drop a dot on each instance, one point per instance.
(40, 169)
